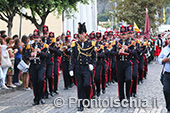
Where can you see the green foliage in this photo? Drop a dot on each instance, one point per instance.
(8, 9)
(135, 11)
(102, 17)
(42, 8)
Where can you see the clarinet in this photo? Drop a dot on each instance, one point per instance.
(123, 49)
(36, 46)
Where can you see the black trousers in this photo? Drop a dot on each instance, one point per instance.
(83, 76)
(37, 73)
(135, 75)
(16, 71)
(104, 75)
(141, 68)
(98, 75)
(113, 73)
(66, 75)
(48, 73)
(166, 89)
(92, 83)
(109, 70)
(124, 74)
(56, 75)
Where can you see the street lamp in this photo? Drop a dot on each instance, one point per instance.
(23, 11)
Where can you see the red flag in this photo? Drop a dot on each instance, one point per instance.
(147, 25)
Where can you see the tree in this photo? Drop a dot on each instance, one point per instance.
(132, 11)
(8, 9)
(40, 9)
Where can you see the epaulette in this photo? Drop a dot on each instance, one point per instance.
(102, 46)
(45, 46)
(113, 43)
(134, 43)
(93, 43)
(106, 45)
(53, 40)
(28, 46)
(73, 44)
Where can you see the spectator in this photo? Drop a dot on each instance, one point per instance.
(15, 36)
(31, 40)
(3, 32)
(10, 72)
(4, 37)
(4, 52)
(62, 38)
(25, 41)
(58, 39)
(164, 59)
(17, 50)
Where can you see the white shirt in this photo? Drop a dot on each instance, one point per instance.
(164, 53)
(4, 50)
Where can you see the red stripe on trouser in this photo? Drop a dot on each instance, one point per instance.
(92, 85)
(110, 70)
(137, 75)
(107, 67)
(59, 64)
(105, 75)
(76, 86)
(58, 76)
(117, 82)
(137, 83)
(53, 74)
(143, 69)
(101, 75)
(59, 60)
(44, 79)
(131, 78)
(91, 89)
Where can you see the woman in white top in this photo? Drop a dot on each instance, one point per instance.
(4, 52)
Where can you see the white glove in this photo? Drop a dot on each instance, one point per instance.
(71, 73)
(91, 67)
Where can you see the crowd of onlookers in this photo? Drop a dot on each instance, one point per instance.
(11, 51)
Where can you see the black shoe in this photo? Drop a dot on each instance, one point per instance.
(56, 92)
(113, 81)
(98, 94)
(52, 94)
(71, 85)
(45, 95)
(128, 99)
(36, 103)
(42, 101)
(80, 108)
(66, 88)
(104, 91)
(134, 95)
(141, 81)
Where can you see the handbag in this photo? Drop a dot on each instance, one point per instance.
(22, 66)
(6, 61)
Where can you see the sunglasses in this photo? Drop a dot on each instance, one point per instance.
(168, 38)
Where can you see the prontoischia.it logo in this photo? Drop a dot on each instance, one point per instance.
(104, 103)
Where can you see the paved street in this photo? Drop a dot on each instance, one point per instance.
(21, 101)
